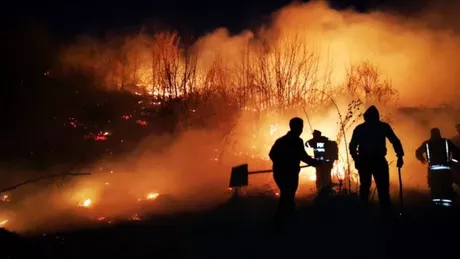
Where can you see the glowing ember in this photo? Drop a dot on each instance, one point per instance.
(142, 122)
(152, 196)
(136, 217)
(101, 218)
(101, 136)
(5, 198)
(72, 122)
(86, 203)
(126, 117)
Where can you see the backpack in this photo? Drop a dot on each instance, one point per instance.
(332, 150)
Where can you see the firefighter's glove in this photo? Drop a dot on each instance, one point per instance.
(400, 162)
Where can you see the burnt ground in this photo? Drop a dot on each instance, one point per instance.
(241, 229)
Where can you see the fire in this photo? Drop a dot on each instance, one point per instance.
(5, 198)
(142, 122)
(136, 217)
(126, 116)
(338, 170)
(273, 129)
(86, 203)
(3, 223)
(152, 196)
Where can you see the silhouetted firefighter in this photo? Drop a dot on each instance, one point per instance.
(286, 155)
(438, 152)
(368, 150)
(456, 157)
(327, 152)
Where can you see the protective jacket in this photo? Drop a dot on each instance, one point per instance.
(287, 153)
(323, 149)
(369, 138)
(439, 153)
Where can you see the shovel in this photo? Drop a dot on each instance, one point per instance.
(240, 174)
(400, 193)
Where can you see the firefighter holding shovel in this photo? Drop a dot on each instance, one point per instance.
(368, 150)
(286, 155)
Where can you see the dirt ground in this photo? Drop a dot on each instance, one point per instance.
(242, 229)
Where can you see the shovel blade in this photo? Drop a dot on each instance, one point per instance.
(239, 176)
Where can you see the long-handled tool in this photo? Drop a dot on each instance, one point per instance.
(39, 179)
(400, 193)
(240, 175)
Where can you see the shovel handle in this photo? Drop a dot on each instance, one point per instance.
(400, 192)
(270, 170)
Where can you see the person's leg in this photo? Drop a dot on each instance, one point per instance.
(382, 181)
(365, 181)
(433, 188)
(319, 179)
(447, 188)
(286, 205)
(279, 212)
(290, 192)
(328, 173)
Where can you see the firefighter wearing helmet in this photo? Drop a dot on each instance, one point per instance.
(438, 153)
(326, 151)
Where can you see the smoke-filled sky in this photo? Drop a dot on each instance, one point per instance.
(414, 42)
(71, 17)
(414, 46)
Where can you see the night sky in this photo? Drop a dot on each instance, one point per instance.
(68, 18)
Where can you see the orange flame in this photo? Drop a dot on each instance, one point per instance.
(152, 196)
(86, 203)
(3, 223)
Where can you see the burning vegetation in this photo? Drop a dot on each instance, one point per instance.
(170, 119)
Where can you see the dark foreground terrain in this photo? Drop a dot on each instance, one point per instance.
(241, 229)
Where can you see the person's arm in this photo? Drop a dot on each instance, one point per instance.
(394, 140)
(454, 150)
(353, 145)
(419, 153)
(304, 157)
(274, 151)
